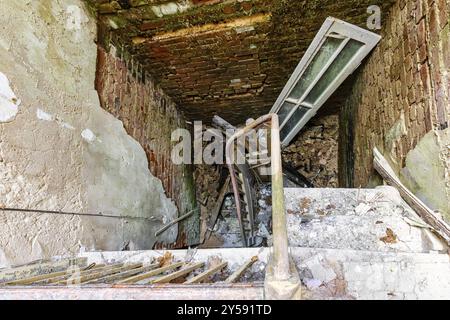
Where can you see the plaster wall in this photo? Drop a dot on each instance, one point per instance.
(59, 150)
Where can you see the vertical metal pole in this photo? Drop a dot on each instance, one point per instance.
(279, 229)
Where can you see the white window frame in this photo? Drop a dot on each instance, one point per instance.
(332, 27)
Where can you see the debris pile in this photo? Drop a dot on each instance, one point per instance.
(314, 153)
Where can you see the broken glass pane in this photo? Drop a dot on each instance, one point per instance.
(285, 109)
(322, 57)
(293, 121)
(338, 65)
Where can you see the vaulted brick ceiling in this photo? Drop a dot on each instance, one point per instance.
(226, 57)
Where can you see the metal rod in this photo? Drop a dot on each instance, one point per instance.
(167, 226)
(100, 215)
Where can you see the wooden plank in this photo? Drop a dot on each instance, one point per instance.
(238, 273)
(429, 216)
(35, 269)
(149, 274)
(71, 273)
(124, 274)
(83, 278)
(177, 274)
(206, 274)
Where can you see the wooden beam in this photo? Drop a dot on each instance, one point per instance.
(238, 273)
(177, 274)
(206, 274)
(149, 274)
(429, 216)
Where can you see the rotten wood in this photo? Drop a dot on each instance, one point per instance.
(439, 226)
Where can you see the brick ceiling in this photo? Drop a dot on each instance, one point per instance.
(226, 57)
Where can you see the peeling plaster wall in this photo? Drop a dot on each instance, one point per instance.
(400, 104)
(60, 150)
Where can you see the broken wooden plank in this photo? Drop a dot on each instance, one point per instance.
(216, 211)
(124, 274)
(429, 216)
(177, 274)
(36, 269)
(207, 274)
(83, 278)
(238, 273)
(149, 274)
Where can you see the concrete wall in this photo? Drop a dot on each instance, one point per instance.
(59, 150)
(400, 104)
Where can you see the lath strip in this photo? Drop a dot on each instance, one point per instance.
(238, 273)
(97, 275)
(206, 274)
(30, 280)
(177, 274)
(124, 274)
(152, 273)
(72, 273)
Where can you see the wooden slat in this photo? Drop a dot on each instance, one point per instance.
(71, 273)
(124, 274)
(31, 270)
(177, 274)
(207, 274)
(238, 273)
(96, 275)
(149, 274)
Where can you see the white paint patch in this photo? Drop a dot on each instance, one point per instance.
(41, 114)
(67, 126)
(88, 135)
(9, 103)
(74, 18)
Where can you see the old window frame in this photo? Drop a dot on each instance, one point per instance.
(332, 28)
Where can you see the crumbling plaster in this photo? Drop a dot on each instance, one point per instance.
(61, 151)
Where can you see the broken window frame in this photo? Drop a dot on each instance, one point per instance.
(332, 28)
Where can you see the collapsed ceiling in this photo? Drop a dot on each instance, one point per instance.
(226, 57)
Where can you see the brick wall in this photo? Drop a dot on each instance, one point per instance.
(401, 93)
(149, 116)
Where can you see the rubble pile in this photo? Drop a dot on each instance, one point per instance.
(314, 152)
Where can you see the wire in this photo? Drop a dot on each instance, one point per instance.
(75, 213)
